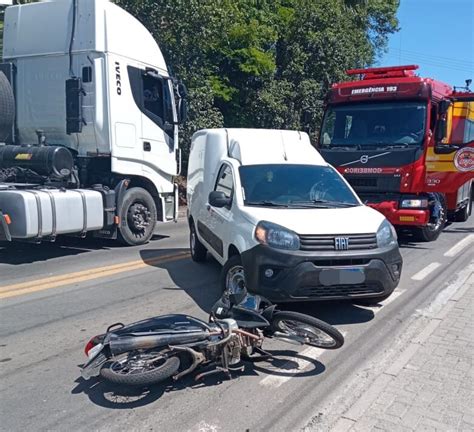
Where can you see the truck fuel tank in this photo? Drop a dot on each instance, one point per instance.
(45, 213)
(44, 160)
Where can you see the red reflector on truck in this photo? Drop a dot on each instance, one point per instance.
(7, 219)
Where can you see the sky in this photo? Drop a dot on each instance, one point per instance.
(438, 35)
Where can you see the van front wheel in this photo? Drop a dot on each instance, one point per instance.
(233, 276)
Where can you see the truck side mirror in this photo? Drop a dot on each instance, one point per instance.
(441, 129)
(218, 199)
(182, 93)
(443, 106)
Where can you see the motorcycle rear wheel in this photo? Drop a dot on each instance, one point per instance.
(317, 333)
(139, 370)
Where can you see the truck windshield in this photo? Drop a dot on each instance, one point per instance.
(296, 186)
(374, 124)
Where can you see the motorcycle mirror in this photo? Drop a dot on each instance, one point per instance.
(237, 298)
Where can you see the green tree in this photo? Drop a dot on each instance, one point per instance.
(264, 63)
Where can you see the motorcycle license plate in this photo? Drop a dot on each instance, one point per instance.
(335, 276)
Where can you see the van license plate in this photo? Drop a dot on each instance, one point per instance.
(351, 276)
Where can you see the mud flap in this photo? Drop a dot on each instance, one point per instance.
(4, 230)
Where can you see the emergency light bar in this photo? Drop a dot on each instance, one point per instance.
(384, 72)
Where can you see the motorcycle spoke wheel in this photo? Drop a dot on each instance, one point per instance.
(307, 330)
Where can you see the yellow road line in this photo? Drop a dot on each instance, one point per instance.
(13, 290)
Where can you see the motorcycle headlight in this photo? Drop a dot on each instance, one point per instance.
(276, 236)
(414, 203)
(386, 234)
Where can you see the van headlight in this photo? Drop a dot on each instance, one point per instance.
(276, 236)
(386, 234)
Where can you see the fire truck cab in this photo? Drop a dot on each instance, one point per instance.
(406, 145)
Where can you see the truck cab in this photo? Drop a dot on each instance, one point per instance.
(389, 132)
(88, 77)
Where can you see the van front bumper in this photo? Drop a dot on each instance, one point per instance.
(285, 276)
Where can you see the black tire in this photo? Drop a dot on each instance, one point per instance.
(432, 231)
(372, 301)
(463, 214)
(166, 368)
(198, 250)
(333, 339)
(7, 107)
(137, 217)
(233, 269)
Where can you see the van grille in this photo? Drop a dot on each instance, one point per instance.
(337, 291)
(312, 243)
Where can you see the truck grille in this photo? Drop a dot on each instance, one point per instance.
(337, 291)
(382, 183)
(312, 243)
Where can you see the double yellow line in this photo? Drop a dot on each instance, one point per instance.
(28, 287)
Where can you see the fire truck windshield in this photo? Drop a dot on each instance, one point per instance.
(374, 124)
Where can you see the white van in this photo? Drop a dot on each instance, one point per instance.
(282, 221)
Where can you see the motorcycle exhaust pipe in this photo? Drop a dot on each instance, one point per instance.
(124, 344)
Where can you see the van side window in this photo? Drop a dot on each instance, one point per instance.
(225, 181)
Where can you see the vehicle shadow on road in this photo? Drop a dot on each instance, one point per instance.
(113, 396)
(333, 312)
(27, 253)
(459, 230)
(199, 280)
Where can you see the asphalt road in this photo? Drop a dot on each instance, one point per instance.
(56, 296)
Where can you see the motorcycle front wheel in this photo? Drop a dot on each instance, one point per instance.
(140, 368)
(307, 329)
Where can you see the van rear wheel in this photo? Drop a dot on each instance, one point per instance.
(198, 250)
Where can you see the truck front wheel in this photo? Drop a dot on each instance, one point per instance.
(137, 217)
(438, 217)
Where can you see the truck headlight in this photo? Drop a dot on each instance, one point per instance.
(386, 234)
(276, 236)
(414, 203)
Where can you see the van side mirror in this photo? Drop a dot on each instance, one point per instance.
(218, 199)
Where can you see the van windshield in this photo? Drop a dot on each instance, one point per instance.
(296, 186)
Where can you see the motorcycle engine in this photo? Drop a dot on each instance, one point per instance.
(234, 346)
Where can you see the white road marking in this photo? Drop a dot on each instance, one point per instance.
(293, 367)
(460, 245)
(426, 271)
(377, 308)
(444, 296)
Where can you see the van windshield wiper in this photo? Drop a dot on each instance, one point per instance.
(266, 203)
(326, 203)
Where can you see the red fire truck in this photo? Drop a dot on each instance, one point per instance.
(406, 145)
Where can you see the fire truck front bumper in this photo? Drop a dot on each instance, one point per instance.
(401, 216)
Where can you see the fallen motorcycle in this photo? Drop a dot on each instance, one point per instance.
(152, 350)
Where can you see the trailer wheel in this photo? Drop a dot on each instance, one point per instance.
(137, 217)
(7, 107)
(437, 222)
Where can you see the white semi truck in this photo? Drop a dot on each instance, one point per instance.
(89, 120)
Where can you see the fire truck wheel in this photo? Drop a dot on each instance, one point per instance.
(137, 216)
(463, 214)
(437, 221)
